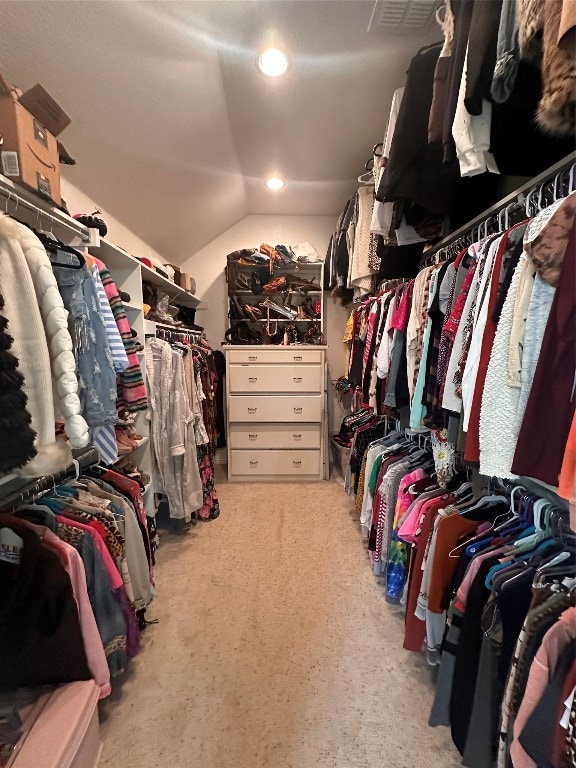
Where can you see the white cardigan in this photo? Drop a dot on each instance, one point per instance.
(38, 322)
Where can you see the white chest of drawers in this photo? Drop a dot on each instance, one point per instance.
(276, 413)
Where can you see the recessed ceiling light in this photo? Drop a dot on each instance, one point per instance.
(273, 62)
(275, 183)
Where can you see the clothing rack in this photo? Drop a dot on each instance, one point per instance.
(179, 334)
(21, 199)
(33, 489)
(522, 197)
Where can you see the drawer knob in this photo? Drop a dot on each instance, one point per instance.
(252, 436)
(297, 379)
(252, 410)
(297, 437)
(252, 358)
(254, 463)
(297, 410)
(253, 379)
(297, 358)
(297, 463)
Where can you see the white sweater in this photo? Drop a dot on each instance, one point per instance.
(42, 344)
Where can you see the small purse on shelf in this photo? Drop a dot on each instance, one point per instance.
(241, 333)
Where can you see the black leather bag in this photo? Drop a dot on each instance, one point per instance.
(241, 333)
(258, 279)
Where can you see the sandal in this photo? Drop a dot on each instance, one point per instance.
(243, 283)
(250, 311)
(275, 285)
(299, 284)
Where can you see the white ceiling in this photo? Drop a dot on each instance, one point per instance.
(173, 128)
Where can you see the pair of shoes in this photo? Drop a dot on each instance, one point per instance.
(138, 346)
(126, 418)
(250, 311)
(127, 439)
(125, 466)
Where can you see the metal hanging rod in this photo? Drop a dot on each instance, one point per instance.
(33, 489)
(21, 199)
(517, 196)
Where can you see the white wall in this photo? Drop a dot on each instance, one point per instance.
(207, 267)
(78, 202)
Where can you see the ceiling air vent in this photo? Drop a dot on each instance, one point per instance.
(403, 14)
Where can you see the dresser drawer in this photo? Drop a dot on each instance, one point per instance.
(285, 408)
(274, 436)
(280, 355)
(263, 463)
(275, 378)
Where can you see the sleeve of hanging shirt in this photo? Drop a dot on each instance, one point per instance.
(119, 356)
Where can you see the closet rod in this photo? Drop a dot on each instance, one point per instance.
(8, 191)
(547, 175)
(85, 457)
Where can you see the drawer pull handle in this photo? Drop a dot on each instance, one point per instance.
(252, 358)
(297, 410)
(253, 379)
(252, 436)
(297, 358)
(254, 463)
(252, 410)
(297, 463)
(297, 379)
(297, 437)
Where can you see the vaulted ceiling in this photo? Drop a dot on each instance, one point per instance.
(173, 127)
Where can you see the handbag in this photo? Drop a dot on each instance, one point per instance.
(257, 280)
(241, 333)
(232, 261)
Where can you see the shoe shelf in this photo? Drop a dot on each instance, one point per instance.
(279, 319)
(132, 307)
(307, 271)
(278, 293)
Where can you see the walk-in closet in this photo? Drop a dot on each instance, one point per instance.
(287, 383)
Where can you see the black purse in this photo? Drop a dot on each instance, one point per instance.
(258, 279)
(241, 333)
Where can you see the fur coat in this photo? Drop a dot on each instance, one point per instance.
(546, 33)
(16, 435)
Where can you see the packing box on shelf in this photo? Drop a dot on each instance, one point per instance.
(184, 281)
(29, 153)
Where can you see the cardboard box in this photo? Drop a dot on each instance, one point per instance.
(29, 124)
(185, 281)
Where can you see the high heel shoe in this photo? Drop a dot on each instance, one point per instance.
(250, 311)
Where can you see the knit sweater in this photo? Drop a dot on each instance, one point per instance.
(42, 345)
(131, 390)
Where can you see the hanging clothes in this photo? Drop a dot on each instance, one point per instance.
(175, 469)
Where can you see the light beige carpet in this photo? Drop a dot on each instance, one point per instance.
(275, 648)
